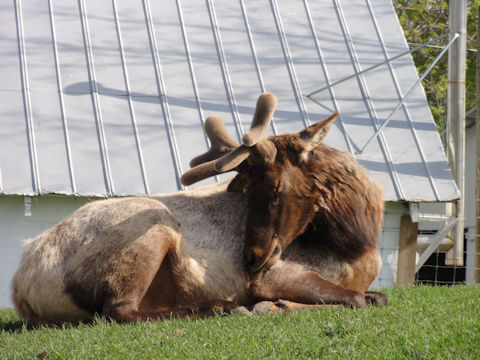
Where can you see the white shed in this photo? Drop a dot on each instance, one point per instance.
(107, 98)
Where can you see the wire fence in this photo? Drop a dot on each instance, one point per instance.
(436, 272)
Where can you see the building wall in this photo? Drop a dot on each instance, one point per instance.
(388, 245)
(16, 227)
(46, 211)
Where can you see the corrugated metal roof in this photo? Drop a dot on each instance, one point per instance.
(108, 97)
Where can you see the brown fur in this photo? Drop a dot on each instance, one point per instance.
(326, 198)
(321, 199)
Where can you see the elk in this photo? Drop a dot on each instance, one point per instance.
(299, 222)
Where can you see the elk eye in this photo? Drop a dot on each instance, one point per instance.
(276, 193)
(275, 199)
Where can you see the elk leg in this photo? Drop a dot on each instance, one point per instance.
(145, 289)
(139, 281)
(289, 282)
(284, 305)
(126, 309)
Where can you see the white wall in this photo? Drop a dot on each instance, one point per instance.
(388, 245)
(15, 227)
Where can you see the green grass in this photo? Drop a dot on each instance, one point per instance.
(419, 323)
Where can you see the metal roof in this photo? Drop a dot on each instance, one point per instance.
(108, 97)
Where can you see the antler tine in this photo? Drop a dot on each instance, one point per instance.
(221, 142)
(266, 104)
(231, 160)
(225, 154)
(199, 173)
(214, 167)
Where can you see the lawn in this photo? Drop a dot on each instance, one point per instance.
(419, 323)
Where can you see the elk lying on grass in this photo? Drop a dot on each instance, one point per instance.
(299, 222)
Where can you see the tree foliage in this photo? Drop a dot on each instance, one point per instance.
(424, 20)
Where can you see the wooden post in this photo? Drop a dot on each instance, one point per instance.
(407, 251)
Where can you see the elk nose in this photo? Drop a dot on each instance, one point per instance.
(255, 258)
(249, 260)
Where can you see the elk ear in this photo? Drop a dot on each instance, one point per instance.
(314, 134)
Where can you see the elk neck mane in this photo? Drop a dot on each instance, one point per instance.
(348, 204)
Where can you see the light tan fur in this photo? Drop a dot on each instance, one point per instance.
(110, 241)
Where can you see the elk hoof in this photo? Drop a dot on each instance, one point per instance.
(358, 300)
(241, 310)
(376, 298)
(263, 307)
(224, 307)
(219, 307)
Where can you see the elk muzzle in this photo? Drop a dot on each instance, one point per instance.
(260, 257)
